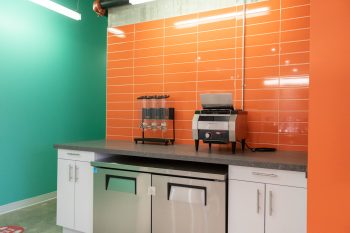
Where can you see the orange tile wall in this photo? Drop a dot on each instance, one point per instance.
(156, 57)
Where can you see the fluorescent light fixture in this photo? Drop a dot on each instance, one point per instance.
(135, 2)
(116, 32)
(58, 8)
(216, 18)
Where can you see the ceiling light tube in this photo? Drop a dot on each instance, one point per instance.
(58, 8)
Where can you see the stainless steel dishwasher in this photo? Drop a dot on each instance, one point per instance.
(135, 195)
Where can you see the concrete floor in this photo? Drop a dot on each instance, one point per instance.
(39, 218)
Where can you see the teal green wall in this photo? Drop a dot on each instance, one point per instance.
(52, 90)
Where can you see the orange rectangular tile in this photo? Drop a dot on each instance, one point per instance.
(117, 39)
(119, 131)
(297, 46)
(254, 40)
(293, 139)
(294, 81)
(268, 27)
(184, 141)
(120, 105)
(294, 93)
(119, 55)
(119, 137)
(119, 64)
(293, 116)
(115, 113)
(217, 34)
(262, 61)
(265, 105)
(293, 128)
(180, 77)
(216, 75)
(257, 94)
(261, 50)
(263, 116)
(270, 4)
(292, 3)
(217, 65)
(184, 125)
(170, 22)
(264, 137)
(150, 43)
(175, 31)
(120, 89)
(180, 58)
(119, 97)
(120, 81)
(295, 58)
(148, 88)
(216, 44)
(148, 79)
(130, 28)
(295, 35)
(225, 19)
(216, 85)
(119, 122)
(292, 148)
(121, 47)
(183, 115)
(148, 70)
(182, 86)
(264, 17)
(184, 105)
(181, 39)
(216, 54)
(119, 72)
(178, 68)
(148, 61)
(295, 12)
(183, 134)
(182, 96)
(296, 70)
(176, 49)
(261, 72)
(218, 12)
(292, 24)
(148, 52)
(149, 25)
(293, 105)
(263, 127)
(144, 35)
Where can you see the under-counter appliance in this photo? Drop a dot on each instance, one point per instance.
(134, 195)
(219, 122)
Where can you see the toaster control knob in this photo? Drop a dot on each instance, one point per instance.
(207, 135)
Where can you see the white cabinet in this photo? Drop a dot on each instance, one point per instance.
(266, 200)
(75, 190)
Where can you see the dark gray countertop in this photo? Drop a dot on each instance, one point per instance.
(282, 160)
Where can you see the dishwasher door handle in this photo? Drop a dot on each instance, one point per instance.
(187, 193)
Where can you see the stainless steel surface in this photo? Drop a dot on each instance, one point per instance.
(257, 201)
(193, 206)
(162, 167)
(223, 100)
(118, 211)
(172, 200)
(270, 203)
(264, 174)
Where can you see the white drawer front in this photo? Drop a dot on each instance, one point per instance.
(269, 176)
(85, 156)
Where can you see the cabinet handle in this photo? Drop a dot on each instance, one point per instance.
(257, 201)
(70, 173)
(75, 154)
(264, 174)
(270, 197)
(76, 172)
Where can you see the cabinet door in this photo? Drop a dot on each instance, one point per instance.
(246, 209)
(285, 209)
(65, 193)
(83, 196)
